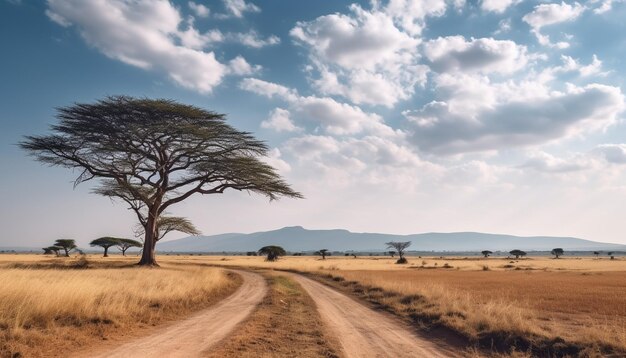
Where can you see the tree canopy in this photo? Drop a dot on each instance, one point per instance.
(125, 244)
(153, 154)
(486, 253)
(105, 242)
(67, 245)
(322, 253)
(557, 252)
(272, 252)
(517, 253)
(400, 247)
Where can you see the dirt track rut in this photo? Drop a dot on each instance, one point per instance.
(364, 332)
(191, 336)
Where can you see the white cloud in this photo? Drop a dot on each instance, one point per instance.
(550, 14)
(237, 8)
(357, 52)
(199, 9)
(605, 5)
(252, 39)
(334, 117)
(268, 89)
(497, 6)
(547, 163)
(280, 121)
(274, 158)
(145, 34)
(484, 55)
(509, 118)
(572, 65)
(409, 15)
(239, 66)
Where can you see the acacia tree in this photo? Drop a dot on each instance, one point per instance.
(125, 244)
(52, 250)
(105, 243)
(486, 253)
(517, 253)
(153, 154)
(557, 252)
(391, 253)
(272, 252)
(322, 253)
(400, 247)
(67, 245)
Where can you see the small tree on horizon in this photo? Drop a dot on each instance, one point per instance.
(153, 154)
(486, 253)
(391, 253)
(272, 252)
(557, 252)
(67, 245)
(52, 250)
(517, 253)
(400, 247)
(597, 253)
(322, 253)
(105, 243)
(125, 244)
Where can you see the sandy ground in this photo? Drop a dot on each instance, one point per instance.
(364, 332)
(192, 336)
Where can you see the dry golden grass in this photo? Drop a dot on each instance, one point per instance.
(286, 324)
(376, 263)
(48, 311)
(579, 300)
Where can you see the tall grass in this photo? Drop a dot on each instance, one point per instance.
(44, 305)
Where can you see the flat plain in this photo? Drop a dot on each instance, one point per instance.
(574, 306)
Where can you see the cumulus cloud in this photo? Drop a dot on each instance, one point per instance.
(237, 8)
(410, 15)
(605, 5)
(334, 117)
(506, 122)
(199, 9)
(497, 6)
(147, 34)
(239, 66)
(484, 55)
(550, 14)
(359, 51)
(279, 120)
(252, 39)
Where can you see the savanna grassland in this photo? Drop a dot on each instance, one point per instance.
(538, 305)
(573, 306)
(53, 306)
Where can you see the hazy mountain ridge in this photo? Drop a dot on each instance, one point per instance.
(297, 238)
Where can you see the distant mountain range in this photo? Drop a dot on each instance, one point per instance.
(297, 238)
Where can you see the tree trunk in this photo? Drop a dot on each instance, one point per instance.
(106, 253)
(148, 255)
(123, 252)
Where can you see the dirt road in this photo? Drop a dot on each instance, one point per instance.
(364, 332)
(188, 338)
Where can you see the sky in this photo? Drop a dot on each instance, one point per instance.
(398, 116)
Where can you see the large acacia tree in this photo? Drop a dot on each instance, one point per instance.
(153, 154)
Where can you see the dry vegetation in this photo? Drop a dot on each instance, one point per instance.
(567, 306)
(570, 305)
(286, 324)
(49, 307)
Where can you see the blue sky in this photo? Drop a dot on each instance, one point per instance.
(398, 116)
